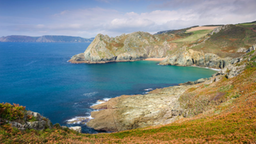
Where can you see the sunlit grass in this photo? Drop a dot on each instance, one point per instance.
(195, 36)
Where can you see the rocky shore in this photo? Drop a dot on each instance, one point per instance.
(141, 45)
(163, 106)
(158, 107)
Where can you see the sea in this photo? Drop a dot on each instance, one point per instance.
(39, 76)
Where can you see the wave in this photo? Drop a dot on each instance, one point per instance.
(85, 119)
(30, 63)
(149, 89)
(90, 94)
(101, 101)
(208, 68)
(79, 120)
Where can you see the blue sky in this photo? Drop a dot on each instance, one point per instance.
(87, 18)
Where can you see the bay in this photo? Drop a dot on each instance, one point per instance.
(38, 76)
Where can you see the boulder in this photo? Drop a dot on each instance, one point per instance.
(252, 48)
(76, 128)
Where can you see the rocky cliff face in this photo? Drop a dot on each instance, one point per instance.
(191, 57)
(130, 47)
(163, 106)
(31, 120)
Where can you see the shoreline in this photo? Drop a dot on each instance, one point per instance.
(214, 69)
(99, 104)
(154, 59)
(103, 62)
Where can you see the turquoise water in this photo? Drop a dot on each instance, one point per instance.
(38, 76)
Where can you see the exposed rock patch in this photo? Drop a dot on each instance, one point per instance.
(191, 57)
(38, 123)
(130, 47)
(160, 106)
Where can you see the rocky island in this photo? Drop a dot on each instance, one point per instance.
(45, 39)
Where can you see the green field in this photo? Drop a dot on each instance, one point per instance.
(195, 36)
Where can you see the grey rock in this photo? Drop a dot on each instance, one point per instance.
(76, 128)
(218, 29)
(242, 50)
(40, 123)
(130, 47)
(64, 127)
(160, 106)
(234, 70)
(37, 125)
(200, 80)
(191, 57)
(252, 48)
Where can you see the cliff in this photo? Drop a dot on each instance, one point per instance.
(164, 106)
(200, 46)
(222, 48)
(17, 116)
(220, 109)
(130, 47)
(45, 39)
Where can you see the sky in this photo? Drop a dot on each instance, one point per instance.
(87, 18)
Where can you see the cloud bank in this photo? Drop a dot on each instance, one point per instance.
(165, 15)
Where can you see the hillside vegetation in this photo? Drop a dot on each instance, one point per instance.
(220, 112)
(227, 42)
(221, 109)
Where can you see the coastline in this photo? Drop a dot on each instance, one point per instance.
(214, 69)
(154, 59)
(102, 62)
(106, 115)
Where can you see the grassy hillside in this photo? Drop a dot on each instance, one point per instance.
(195, 35)
(221, 112)
(228, 41)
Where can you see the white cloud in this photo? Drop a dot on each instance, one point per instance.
(170, 15)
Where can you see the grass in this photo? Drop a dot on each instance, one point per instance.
(228, 41)
(220, 112)
(233, 119)
(194, 36)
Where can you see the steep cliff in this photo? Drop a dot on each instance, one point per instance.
(191, 57)
(201, 47)
(163, 106)
(130, 47)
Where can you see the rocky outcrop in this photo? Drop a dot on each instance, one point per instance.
(160, 106)
(130, 47)
(218, 29)
(251, 48)
(76, 128)
(195, 82)
(190, 57)
(38, 122)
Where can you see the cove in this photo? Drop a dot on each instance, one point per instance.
(38, 76)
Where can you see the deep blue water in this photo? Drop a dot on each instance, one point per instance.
(38, 76)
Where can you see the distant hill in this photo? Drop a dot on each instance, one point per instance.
(175, 31)
(46, 39)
